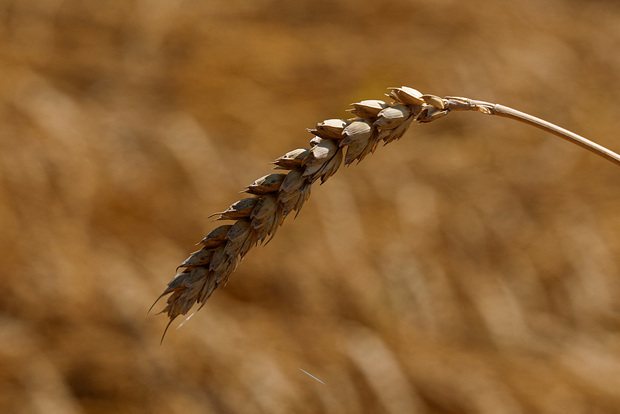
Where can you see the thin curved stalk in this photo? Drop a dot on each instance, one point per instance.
(488, 108)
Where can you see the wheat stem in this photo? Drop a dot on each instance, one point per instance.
(488, 108)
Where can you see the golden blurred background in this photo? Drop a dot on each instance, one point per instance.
(472, 267)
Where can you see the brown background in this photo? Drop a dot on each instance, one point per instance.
(472, 267)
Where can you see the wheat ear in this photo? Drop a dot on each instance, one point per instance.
(273, 197)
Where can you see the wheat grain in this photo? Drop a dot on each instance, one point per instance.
(275, 196)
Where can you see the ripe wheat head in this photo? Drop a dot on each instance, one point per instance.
(273, 197)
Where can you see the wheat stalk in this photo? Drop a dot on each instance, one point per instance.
(274, 196)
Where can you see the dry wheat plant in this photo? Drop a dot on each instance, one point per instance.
(274, 196)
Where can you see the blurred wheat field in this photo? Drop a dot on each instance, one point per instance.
(471, 267)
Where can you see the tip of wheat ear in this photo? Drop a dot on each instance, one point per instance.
(274, 196)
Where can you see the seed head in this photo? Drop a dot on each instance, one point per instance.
(369, 108)
(330, 128)
(292, 159)
(240, 209)
(357, 131)
(435, 101)
(407, 95)
(393, 116)
(267, 184)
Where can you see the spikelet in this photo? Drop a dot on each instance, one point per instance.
(275, 196)
(369, 108)
(330, 128)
